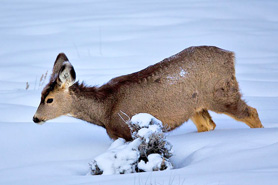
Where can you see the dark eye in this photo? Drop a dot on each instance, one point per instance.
(50, 100)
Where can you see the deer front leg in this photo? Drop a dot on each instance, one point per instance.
(117, 128)
(203, 121)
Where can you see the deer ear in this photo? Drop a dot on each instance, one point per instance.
(66, 75)
(61, 58)
(63, 72)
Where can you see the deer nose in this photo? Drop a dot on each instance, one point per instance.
(36, 120)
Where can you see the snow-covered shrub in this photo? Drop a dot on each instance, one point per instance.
(149, 150)
(120, 158)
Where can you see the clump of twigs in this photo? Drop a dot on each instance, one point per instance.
(27, 86)
(154, 141)
(41, 82)
(42, 79)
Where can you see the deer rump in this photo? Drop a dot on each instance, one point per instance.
(181, 87)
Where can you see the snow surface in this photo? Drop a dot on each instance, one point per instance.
(104, 39)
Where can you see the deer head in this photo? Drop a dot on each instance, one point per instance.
(55, 98)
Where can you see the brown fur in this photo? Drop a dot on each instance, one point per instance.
(184, 86)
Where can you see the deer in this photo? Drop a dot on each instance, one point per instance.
(184, 86)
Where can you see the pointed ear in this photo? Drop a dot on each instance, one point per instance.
(63, 72)
(61, 58)
(66, 76)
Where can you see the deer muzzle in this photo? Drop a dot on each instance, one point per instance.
(37, 120)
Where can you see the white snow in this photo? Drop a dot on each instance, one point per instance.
(182, 73)
(174, 78)
(119, 158)
(148, 124)
(144, 132)
(154, 163)
(105, 39)
(146, 120)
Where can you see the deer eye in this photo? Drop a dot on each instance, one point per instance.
(50, 100)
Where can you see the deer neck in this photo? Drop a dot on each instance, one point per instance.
(87, 106)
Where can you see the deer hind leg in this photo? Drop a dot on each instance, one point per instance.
(244, 113)
(227, 100)
(240, 111)
(203, 121)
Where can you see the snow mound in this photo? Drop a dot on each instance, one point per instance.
(149, 150)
